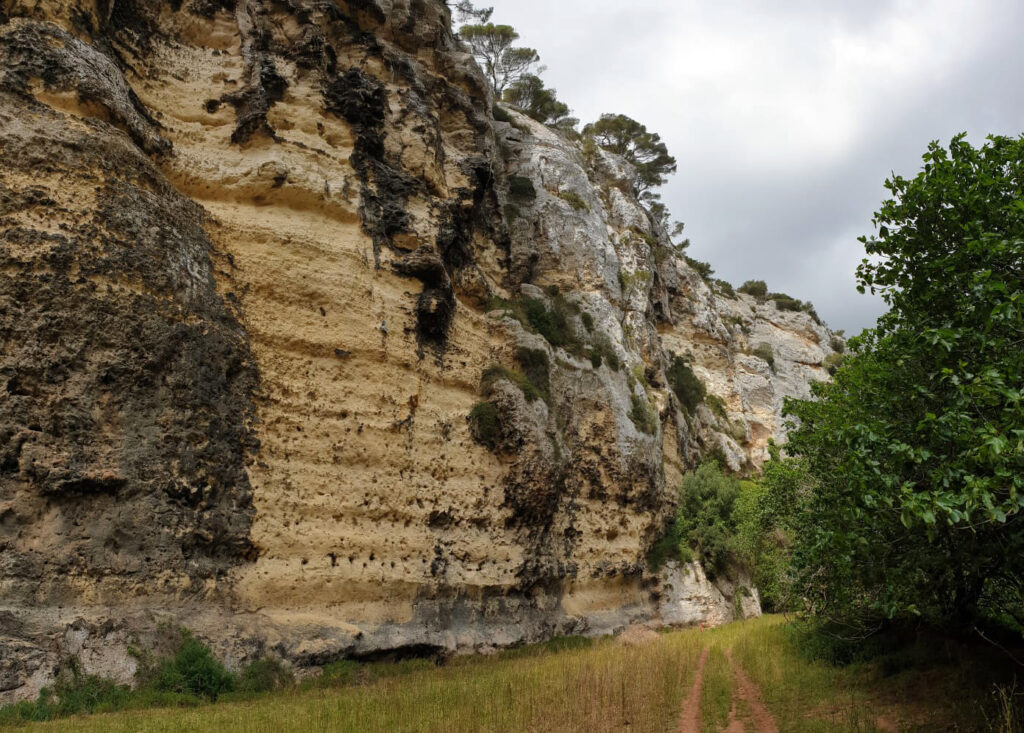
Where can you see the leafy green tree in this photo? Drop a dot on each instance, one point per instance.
(529, 94)
(705, 518)
(918, 444)
(625, 136)
(492, 45)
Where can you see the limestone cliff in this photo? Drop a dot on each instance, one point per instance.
(262, 263)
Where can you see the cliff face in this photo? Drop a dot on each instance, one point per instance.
(262, 262)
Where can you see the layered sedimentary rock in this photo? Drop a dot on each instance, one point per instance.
(262, 261)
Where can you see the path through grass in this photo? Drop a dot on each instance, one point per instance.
(644, 685)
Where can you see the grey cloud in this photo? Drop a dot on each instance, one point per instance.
(786, 117)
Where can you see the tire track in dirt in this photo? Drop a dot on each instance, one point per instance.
(750, 693)
(689, 719)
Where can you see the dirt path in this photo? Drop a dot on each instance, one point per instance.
(747, 691)
(689, 719)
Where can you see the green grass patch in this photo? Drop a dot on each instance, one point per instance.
(574, 200)
(764, 351)
(717, 405)
(716, 695)
(642, 414)
(577, 684)
(497, 372)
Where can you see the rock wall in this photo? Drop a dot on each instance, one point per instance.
(262, 262)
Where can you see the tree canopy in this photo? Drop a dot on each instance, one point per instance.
(645, 150)
(503, 63)
(917, 446)
(529, 94)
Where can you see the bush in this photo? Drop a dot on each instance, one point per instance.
(265, 675)
(670, 545)
(832, 362)
(497, 372)
(485, 424)
(786, 302)
(501, 115)
(724, 287)
(764, 351)
(685, 384)
(193, 670)
(603, 353)
(588, 321)
(705, 516)
(537, 370)
(702, 268)
(521, 187)
(554, 324)
(756, 288)
(838, 344)
(642, 414)
(574, 200)
(717, 405)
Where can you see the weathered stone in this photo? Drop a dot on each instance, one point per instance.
(248, 251)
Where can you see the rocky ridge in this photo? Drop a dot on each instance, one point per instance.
(262, 263)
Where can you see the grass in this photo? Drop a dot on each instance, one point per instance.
(574, 200)
(642, 414)
(577, 684)
(602, 687)
(716, 695)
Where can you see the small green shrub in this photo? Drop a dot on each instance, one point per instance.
(265, 675)
(701, 268)
(553, 324)
(193, 670)
(685, 384)
(764, 351)
(521, 187)
(497, 373)
(660, 253)
(786, 302)
(573, 199)
(838, 344)
(642, 414)
(501, 115)
(595, 359)
(511, 212)
(537, 371)
(485, 424)
(724, 287)
(832, 362)
(588, 321)
(669, 545)
(756, 288)
(717, 405)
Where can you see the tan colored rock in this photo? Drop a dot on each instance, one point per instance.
(249, 256)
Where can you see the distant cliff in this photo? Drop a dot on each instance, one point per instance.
(304, 350)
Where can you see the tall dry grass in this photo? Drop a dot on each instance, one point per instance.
(606, 687)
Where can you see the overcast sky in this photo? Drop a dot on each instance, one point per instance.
(786, 116)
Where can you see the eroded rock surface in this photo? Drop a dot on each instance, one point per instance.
(261, 261)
